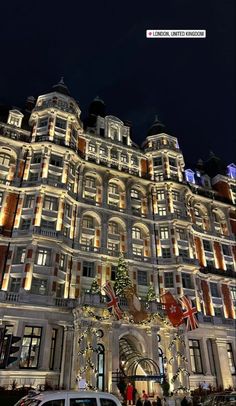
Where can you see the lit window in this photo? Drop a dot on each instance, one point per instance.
(1, 198)
(159, 177)
(29, 201)
(142, 278)
(136, 233)
(231, 358)
(88, 222)
(62, 261)
(68, 210)
(90, 182)
(5, 159)
(169, 279)
(30, 347)
(88, 269)
(161, 211)
(92, 148)
(113, 189)
(52, 349)
(233, 292)
(232, 171)
(123, 158)
(20, 255)
(137, 251)
(100, 375)
(189, 174)
(43, 257)
(134, 160)
(176, 196)
(112, 246)
(181, 234)
(134, 194)
(195, 356)
(160, 195)
(50, 203)
(164, 233)
(102, 151)
(113, 228)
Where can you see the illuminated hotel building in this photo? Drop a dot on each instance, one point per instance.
(72, 197)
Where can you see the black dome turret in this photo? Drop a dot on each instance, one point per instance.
(97, 107)
(60, 87)
(157, 127)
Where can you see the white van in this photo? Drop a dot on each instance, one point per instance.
(69, 398)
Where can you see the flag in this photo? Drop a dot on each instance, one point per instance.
(173, 309)
(113, 303)
(189, 313)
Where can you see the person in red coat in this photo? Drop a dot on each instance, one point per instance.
(129, 393)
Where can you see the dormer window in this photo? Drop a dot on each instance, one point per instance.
(189, 176)
(114, 134)
(15, 118)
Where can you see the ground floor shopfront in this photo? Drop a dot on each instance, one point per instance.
(65, 342)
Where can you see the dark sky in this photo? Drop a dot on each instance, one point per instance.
(100, 48)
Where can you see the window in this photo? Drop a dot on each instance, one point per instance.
(112, 246)
(226, 250)
(123, 158)
(218, 311)
(189, 174)
(178, 213)
(5, 159)
(82, 402)
(134, 194)
(29, 202)
(4, 348)
(183, 253)
(136, 233)
(60, 123)
(102, 151)
(137, 251)
(33, 175)
(207, 245)
(52, 349)
(181, 234)
(187, 281)
(43, 257)
(15, 285)
(1, 198)
(164, 233)
(68, 210)
(172, 161)
(169, 279)
(30, 347)
(113, 228)
(161, 211)
(157, 161)
(142, 278)
(20, 255)
(113, 272)
(58, 402)
(113, 189)
(233, 292)
(90, 182)
(159, 177)
(231, 358)
(48, 224)
(56, 160)
(113, 154)
(62, 261)
(86, 243)
(134, 160)
(195, 356)
(36, 158)
(210, 263)
(100, 370)
(50, 203)
(214, 289)
(89, 269)
(25, 224)
(166, 253)
(43, 122)
(160, 195)
(39, 286)
(176, 196)
(88, 222)
(91, 148)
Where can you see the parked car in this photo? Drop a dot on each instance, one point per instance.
(69, 398)
(221, 399)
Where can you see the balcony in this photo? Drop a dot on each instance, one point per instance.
(46, 232)
(88, 248)
(214, 271)
(217, 321)
(187, 260)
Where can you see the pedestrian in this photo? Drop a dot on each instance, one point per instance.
(144, 395)
(129, 394)
(159, 401)
(184, 401)
(139, 401)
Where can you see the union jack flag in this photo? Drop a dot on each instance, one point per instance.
(189, 312)
(113, 304)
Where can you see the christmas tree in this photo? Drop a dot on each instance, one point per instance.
(95, 288)
(122, 279)
(151, 295)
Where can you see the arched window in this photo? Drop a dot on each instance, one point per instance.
(88, 222)
(5, 159)
(161, 360)
(100, 367)
(136, 233)
(113, 227)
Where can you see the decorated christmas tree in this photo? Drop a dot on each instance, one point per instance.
(151, 295)
(95, 288)
(122, 279)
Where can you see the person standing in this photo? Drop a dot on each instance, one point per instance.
(129, 394)
(159, 403)
(144, 395)
(184, 402)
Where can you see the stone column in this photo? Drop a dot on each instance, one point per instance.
(205, 357)
(224, 376)
(66, 379)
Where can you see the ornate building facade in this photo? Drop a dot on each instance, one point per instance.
(72, 198)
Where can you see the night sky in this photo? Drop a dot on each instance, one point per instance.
(100, 48)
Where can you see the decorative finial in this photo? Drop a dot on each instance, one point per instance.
(62, 80)
(156, 117)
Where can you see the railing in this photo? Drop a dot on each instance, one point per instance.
(46, 232)
(215, 271)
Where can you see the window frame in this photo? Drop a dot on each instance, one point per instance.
(31, 336)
